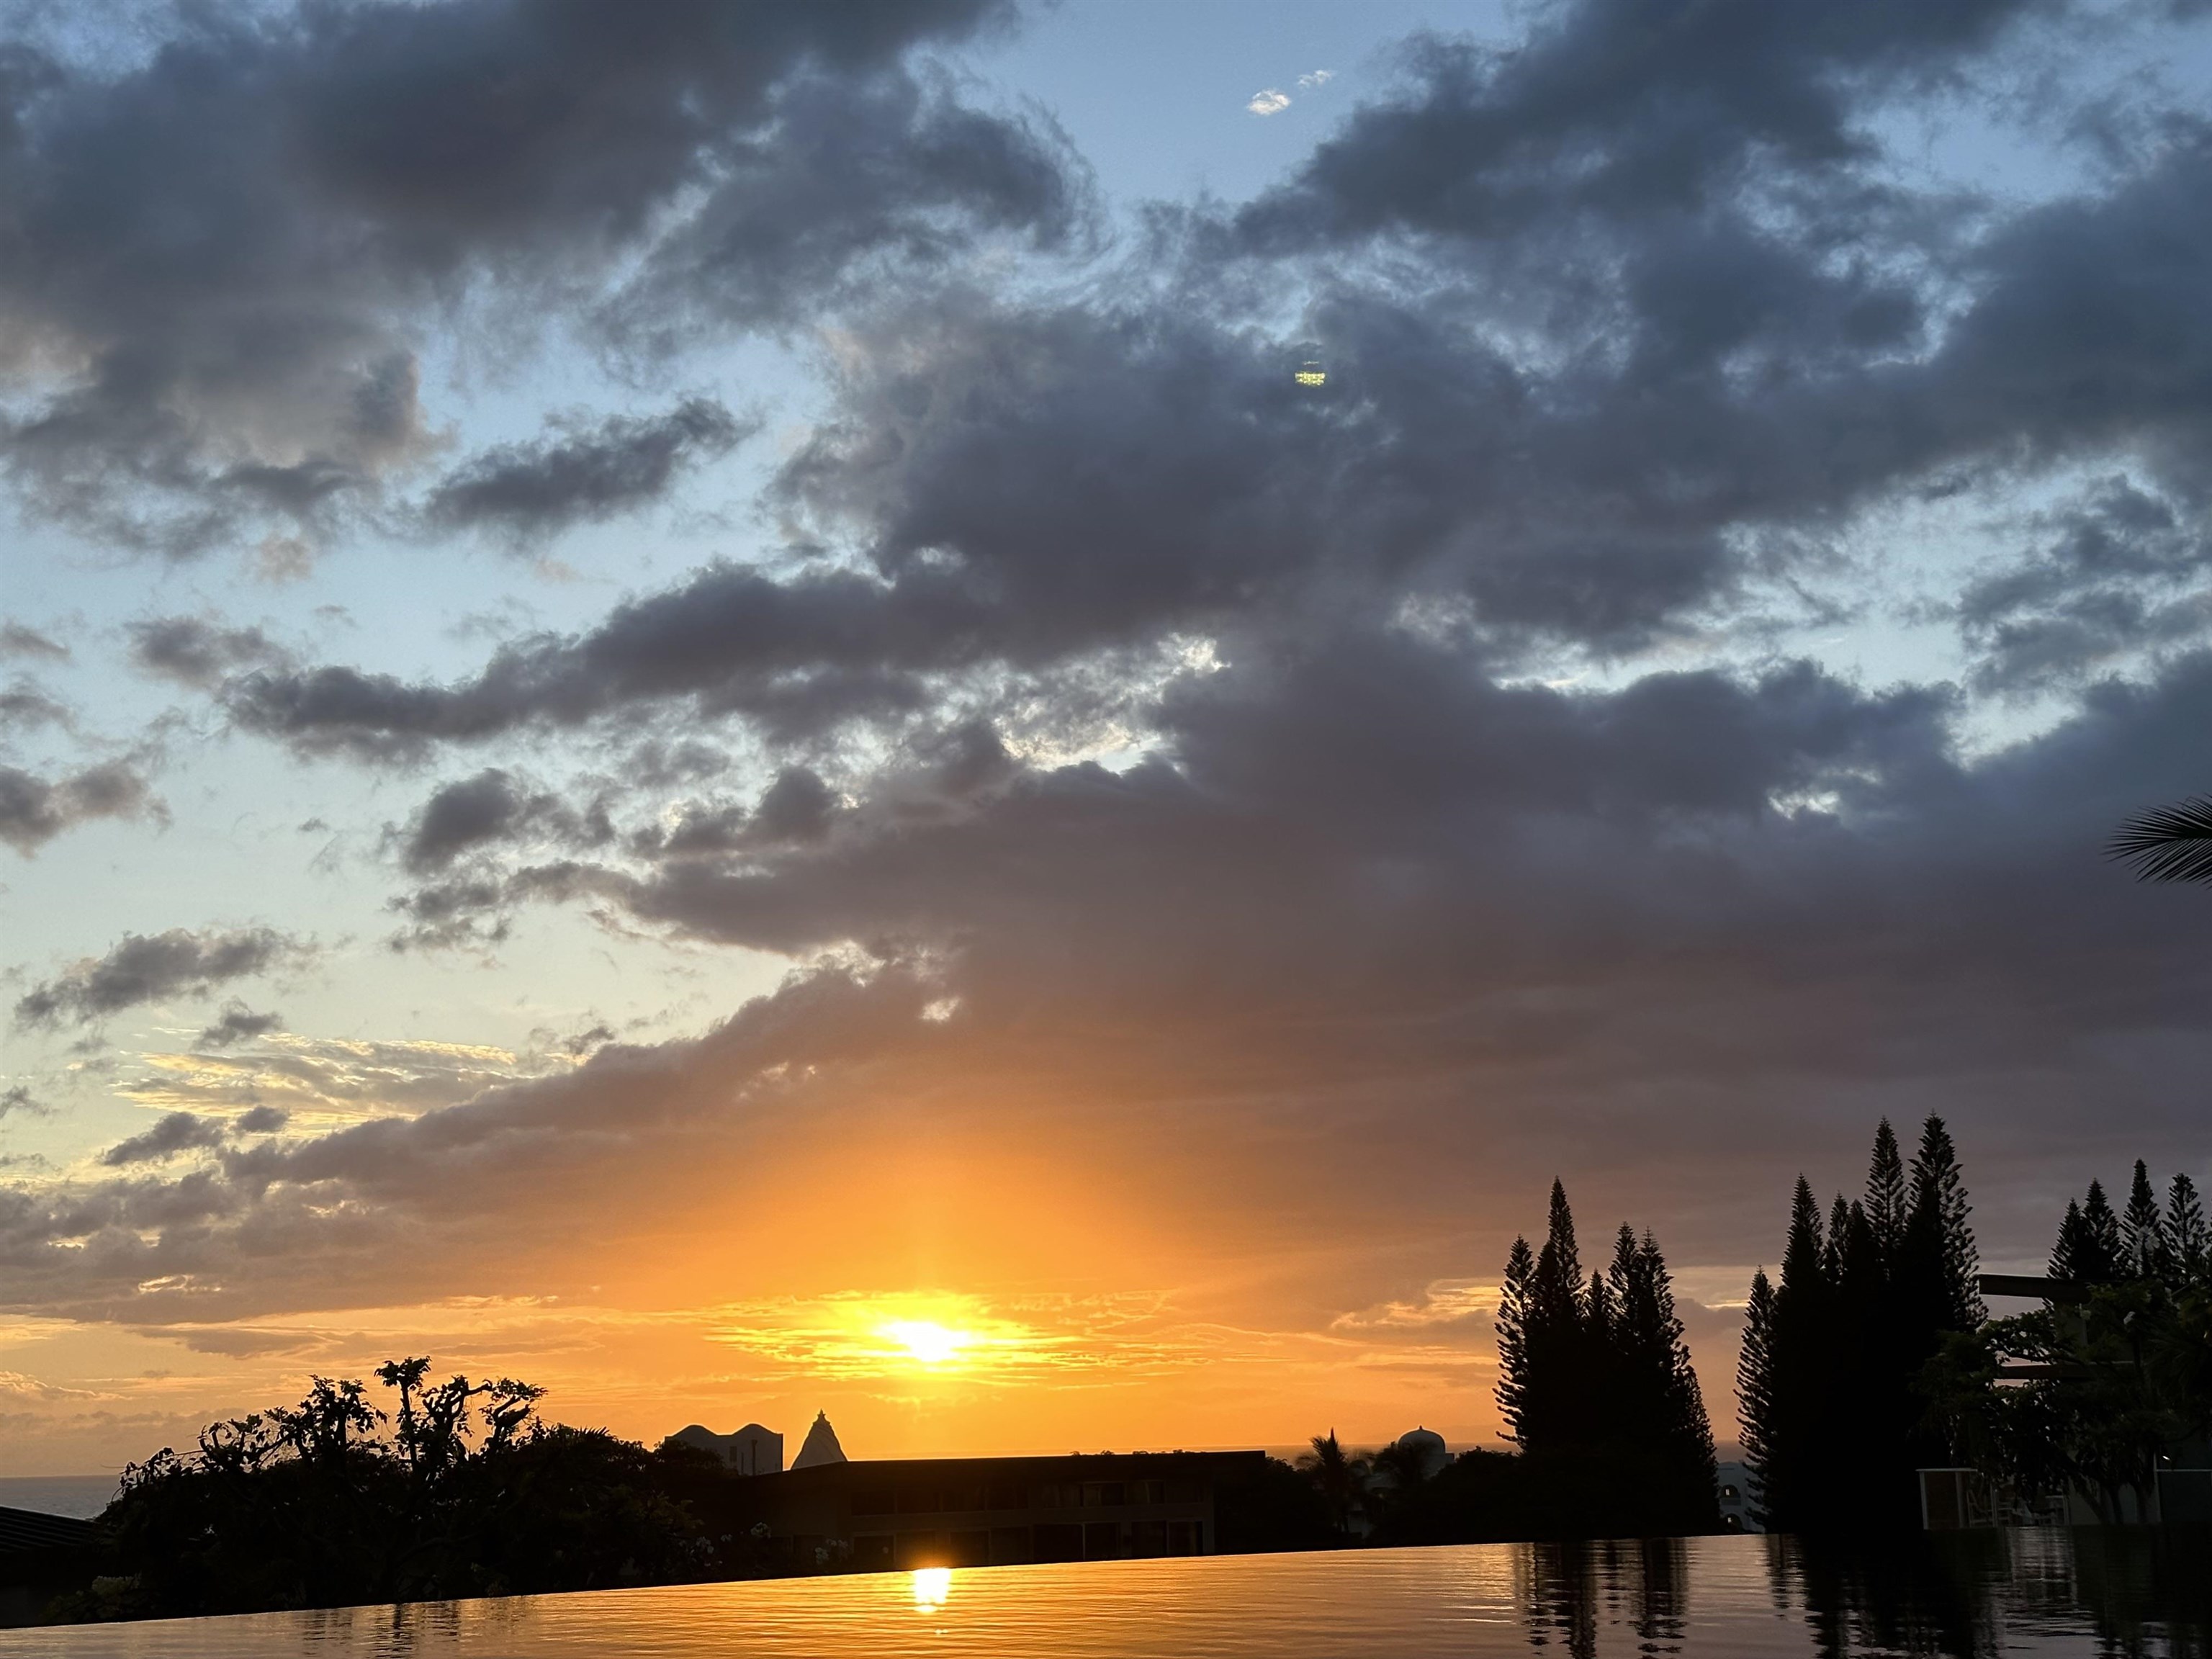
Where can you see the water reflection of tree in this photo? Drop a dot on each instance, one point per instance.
(2147, 1588)
(1923, 1595)
(1566, 1590)
(2142, 1590)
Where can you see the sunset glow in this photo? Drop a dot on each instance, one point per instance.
(930, 1343)
(893, 715)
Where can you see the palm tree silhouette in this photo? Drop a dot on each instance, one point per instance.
(1339, 1478)
(2167, 843)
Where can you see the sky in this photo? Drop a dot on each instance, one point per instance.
(694, 707)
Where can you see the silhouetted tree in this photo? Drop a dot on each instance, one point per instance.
(1828, 1389)
(1512, 1328)
(1656, 1408)
(2143, 1250)
(1800, 1357)
(2127, 1362)
(2070, 1250)
(1755, 1388)
(312, 1506)
(1939, 1244)
(1558, 1358)
(2099, 1254)
(1338, 1477)
(1596, 1385)
(2167, 843)
(1887, 1203)
(2187, 1235)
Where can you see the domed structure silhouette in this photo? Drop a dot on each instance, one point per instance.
(821, 1445)
(1430, 1445)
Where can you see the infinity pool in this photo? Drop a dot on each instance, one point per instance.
(2031, 1592)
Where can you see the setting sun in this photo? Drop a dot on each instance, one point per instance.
(927, 1341)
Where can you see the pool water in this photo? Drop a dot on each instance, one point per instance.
(2030, 1591)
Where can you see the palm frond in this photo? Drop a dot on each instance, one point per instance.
(2167, 843)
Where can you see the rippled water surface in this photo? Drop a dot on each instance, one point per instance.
(2024, 1592)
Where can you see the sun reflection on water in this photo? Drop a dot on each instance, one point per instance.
(931, 1586)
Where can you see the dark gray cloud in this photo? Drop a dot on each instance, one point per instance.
(493, 806)
(24, 706)
(177, 1132)
(525, 492)
(2121, 572)
(197, 653)
(242, 237)
(17, 641)
(35, 809)
(236, 1023)
(18, 1097)
(183, 1132)
(1619, 109)
(152, 968)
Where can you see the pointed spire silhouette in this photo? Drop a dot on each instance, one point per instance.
(821, 1445)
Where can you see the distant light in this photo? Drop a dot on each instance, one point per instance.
(927, 1341)
(932, 1585)
(1311, 375)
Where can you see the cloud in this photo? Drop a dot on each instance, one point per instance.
(2121, 571)
(17, 641)
(1392, 792)
(154, 967)
(24, 706)
(198, 653)
(492, 806)
(18, 1097)
(1268, 102)
(329, 184)
(237, 1023)
(528, 492)
(1315, 80)
(180, 1132)
(323, 1083)
(35, 809)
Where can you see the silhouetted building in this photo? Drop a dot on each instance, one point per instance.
(987, 1511)
(820, 1447)
(752, 1450)
(1732, 1488)
(1434, 1454)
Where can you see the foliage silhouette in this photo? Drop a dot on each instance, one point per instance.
(2167, 843)
(2121, 1361)
(1829, 1383)
(314, 1505)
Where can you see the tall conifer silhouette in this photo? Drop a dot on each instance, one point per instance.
(1599, 1368)
(1556, 1350)
(1885, 1197)
(1799, 1357)
(1512, 1328)
(2142, 1230)
(2070, 1250)
(2100, 1252)
(2187, 1235)
(1829, 1387)
(1939, 1215)
(1755, 1390)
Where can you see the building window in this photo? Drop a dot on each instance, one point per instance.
(871, 1551)
(1055, 1543)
